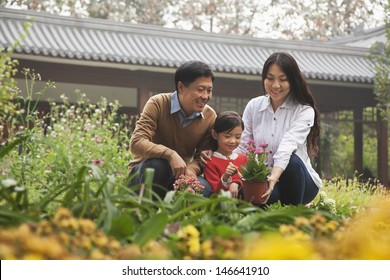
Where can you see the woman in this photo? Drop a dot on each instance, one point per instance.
(287, 119)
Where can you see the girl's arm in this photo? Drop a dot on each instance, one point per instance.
(213, 175)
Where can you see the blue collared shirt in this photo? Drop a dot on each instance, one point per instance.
(176, 108)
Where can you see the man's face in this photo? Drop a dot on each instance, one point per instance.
(194, 97)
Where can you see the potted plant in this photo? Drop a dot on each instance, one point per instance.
(255, 172)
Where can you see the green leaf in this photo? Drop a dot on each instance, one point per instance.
(151, 229)
(6, 149)
(122, 226)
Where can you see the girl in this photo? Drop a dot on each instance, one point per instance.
(222, 170)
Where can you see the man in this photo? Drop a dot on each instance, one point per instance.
(174, 128)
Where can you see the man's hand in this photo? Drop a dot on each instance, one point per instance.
(178, 165)
(205, 156)
(191, 173)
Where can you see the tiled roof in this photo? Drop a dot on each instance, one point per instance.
(363, 39)
(146, 45)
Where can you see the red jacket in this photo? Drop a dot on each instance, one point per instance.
(216, 167)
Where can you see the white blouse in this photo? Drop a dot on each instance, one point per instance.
(285, 131)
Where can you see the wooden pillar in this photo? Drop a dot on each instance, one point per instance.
(143, 96)
(383, 151)
(358, 139)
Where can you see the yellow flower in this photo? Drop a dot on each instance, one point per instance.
(228, 255)
(273, 246)
(193, 246)
(6, 252)
(302, 222)
(156, 250)
(188, 232)
(332, 225)
(299, 236)
(207, 249)
(287, 229)
(87, 226)
(100, 239)
(33, 256)
(61, 214)
(129, 252)
(317, 219)
(96, 254)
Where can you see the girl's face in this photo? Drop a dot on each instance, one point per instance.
(228, 140)
(276, 85)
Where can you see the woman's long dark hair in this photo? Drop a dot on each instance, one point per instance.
(225, 122)
(300, 91)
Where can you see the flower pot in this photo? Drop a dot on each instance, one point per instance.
(253, 191)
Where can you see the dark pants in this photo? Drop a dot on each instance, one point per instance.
(163, 178)
(295, 185)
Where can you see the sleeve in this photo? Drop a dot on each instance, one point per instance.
(141, 140)
(213, 176)
(294, 137)
(247, 134)
(204, 144)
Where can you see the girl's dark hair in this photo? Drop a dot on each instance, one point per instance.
(299, 90)
(226, 122)
(191, 70)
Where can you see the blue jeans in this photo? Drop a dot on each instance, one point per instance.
(163, 177)
(295, 185)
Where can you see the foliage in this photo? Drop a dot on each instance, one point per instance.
(319, 19)
(64, 194)
(380, 55)
(348, 196)
(8, 69)
(256, 169)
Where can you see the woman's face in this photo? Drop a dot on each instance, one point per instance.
(276, 85)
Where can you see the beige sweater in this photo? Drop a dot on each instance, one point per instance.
(158, 133)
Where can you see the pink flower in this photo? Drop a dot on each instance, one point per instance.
(97, 139)
(97, 162)
(187, 183)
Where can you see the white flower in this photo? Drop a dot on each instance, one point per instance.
(8, 183)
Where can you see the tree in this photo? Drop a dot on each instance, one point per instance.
(380, 55)
(299, 19)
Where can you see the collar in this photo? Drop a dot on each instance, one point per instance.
(233, 156)
(175, 107)
(289, 103)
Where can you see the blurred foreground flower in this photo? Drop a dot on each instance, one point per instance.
(187, 183)
(366, 237)
(66, 237)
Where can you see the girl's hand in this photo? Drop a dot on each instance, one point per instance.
(205, 156)
(233, 188)
(231, 169)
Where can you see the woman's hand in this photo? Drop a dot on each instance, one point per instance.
(272, 180)
(205, 156)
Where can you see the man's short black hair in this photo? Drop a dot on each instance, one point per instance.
(189, 71)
